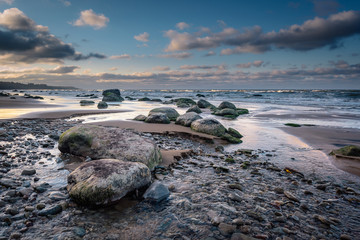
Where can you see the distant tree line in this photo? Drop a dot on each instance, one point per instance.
(15, 85)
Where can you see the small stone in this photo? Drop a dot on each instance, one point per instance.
(157, 192)
(290, 196)
(235, 197)
(238, 221)
(40, 206)
(279, 190)
(28, 172)
(12, 211)
(29, 208)
(15, 235)
(245, 229)
(226, 229)
(50, 211)
(345, 237)
(321, 187)
(79, 231)
(57, 196)
(241, 236)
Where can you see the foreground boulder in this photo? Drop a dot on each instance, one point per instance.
(112, 95)
(226, 104)
(102, 105)
(171, 113)
(209, 126)
(157, 118)
(140, 117)
(100, 142)
(105, 181)
(187, 118)
(195, 109)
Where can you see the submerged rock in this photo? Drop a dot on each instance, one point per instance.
(187, 118)
(208, 126)
(102, 105)
(86, 102)
(144, 99)
(100, 142)
(171, 113)
(140, 118)
(195, 109)
(105, 181)
(156, 192)
(157, 118)
(112, 95)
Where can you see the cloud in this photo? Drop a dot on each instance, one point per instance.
(312, 34)
(210, 53)
(23, 41)
(180, 55)
(63, 69)
(113, 69)
(66, 3)
(90, 18)
(161, 68)
(9, 2)
(340, 64)
(143, 37)
(122, 56)
(325, 7)
(257, 63)
(182, 25)
(203, 67)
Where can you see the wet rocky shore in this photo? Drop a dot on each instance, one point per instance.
(213, 194)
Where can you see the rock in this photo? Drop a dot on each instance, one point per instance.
(345, 237)
(12, 211)
(225, 104)
(29, 208)
(105, 181)
(102, 105)
(350, 151)
(26, 192)
(203, 103)
(157, 118)
(156, 192)
(100, 142)
(86, 102)
(171, 113)
(57, 196)
(144, 99)
(230, 138)
(226, 229)
(8, 183)
(183, 105)
(51, 210)
(200, 95)
(241, 236)
(234, 133)
(290, 196)
(208, 126)
(187, 118)
(140, 118)
(112, 95)
(195, 109)
(187, 101)
(28, 172)
(226, 111)
(79, 231)
(40, 206)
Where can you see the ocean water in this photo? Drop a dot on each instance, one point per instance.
(269, 110)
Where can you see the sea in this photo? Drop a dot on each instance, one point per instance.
(262, 127)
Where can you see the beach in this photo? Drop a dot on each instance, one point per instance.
(279, 183)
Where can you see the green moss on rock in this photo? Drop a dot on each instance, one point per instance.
(351, 151)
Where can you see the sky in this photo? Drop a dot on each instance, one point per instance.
(166, 44)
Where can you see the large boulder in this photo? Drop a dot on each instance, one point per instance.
(227, 105)
(102, 105)
(203, 103)
(187, 118)
(112, 95)
(100, 142)
(184, 101)
(157, 118)
(105, 181)
(171, 113)
(209, 126)
(195, 109)
(231, 113)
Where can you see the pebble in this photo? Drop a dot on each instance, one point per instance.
(226, 229)
(28, 172)
(50, 211)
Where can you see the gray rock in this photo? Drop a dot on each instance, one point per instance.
(28, 172)
(86, 102)
(226, 112)
(233, 132)
(187, 118)
(195, 109)
(105, 181)
(171, 113)
(79, 231)
(226, 104)
(112, 95)
(157, 118)
(140, 118)
(208, 126)
(57, 196)
(51, 210)
(156, 192)
(203, 103)
(102, 105)
(100, 142)
(12, 211)
(187, 101)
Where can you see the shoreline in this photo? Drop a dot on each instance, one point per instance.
(327, 139)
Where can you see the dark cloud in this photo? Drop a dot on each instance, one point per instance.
(63, 69)
(203, 67)
(312, 34)
(21, 40)
(325, 7)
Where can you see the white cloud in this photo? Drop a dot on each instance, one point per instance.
(161, 68)
(181, 55)
(14, 19)
(113, 69)
(143, 37)
(9, 2)
(122, 56)
(182, 25)
(90, 18)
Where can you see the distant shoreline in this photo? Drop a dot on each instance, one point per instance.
(32, 86)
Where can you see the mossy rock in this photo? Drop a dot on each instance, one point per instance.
(229, 160)
(209, 126)
(203, 104)
(241, 111)
(187, 118)
(233, 132)
(292, 125)
(349, 151)
(171, 113)
(102, 105)
(230, 138)
(140, 118)
(160, 118)
(144, 99)
(226, 104)
(195, 109)
(188, 101)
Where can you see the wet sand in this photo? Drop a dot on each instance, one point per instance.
(296, 116)
(326, 139)
(67, 113)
